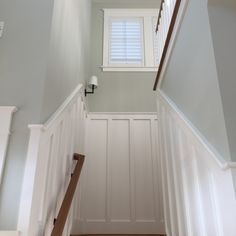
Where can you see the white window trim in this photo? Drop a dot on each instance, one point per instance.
(148, 50)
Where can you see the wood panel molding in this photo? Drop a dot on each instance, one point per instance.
(122, 188)
(49, 165)
(199, 195)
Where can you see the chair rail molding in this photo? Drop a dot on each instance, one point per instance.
(6, 113)
(198, 185)
(49, 165)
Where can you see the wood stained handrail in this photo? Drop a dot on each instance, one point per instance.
(167, 42)
(159, 15)
(66, 204)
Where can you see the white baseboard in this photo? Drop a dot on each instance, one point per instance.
(9, 233)
(119, 227)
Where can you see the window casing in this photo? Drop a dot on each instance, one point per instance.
(130, 40)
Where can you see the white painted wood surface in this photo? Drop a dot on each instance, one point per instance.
(121, 179)
(49, 166)
(9, 233)
(197, 185)
(5, 124)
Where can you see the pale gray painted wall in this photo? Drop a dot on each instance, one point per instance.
(69, 62)
(223, 27)
(119, 91)
(191, 79)
(32, 80)
(23, 58)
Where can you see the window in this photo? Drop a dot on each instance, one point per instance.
(130, 42)
(126, 41)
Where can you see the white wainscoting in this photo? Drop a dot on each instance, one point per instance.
(121, 187)
(198, 190)
(5, 124)
(49, 166)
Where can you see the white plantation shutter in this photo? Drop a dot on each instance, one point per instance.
(126, 41)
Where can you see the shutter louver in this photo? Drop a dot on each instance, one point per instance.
(126, 41)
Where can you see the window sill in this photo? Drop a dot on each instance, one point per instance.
(129, 69)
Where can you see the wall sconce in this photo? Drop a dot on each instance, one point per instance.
(92, 84)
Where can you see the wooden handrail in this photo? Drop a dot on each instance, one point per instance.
(167, 42)
(65, 207)
(159, 15)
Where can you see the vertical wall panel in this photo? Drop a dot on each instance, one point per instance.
(121, 191)
(96, 171)
(120, 174)
(144, 192)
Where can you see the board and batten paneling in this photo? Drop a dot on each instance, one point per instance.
(198, 189)
(49, 165)
(121, 181)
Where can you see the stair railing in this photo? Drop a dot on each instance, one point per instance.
(165, 25)
(60, 221)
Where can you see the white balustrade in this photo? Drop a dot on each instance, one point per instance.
(164, 25)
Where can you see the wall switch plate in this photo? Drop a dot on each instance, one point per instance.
(1, 28)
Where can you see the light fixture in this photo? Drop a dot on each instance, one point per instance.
(92, 84)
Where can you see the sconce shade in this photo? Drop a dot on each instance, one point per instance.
(93, 82)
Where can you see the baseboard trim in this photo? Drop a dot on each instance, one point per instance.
(118, 228)
(9, 233)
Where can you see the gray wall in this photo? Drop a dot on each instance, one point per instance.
(41, 61)
(23, 58)
(223, 26)
(69, 62)
(191, 80)
(119, 91)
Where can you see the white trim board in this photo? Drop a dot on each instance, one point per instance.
(9, 233)
(65, 104)
(220, 161)
(5, 124)
(50, 150)
(147, 42)
(127, 69)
